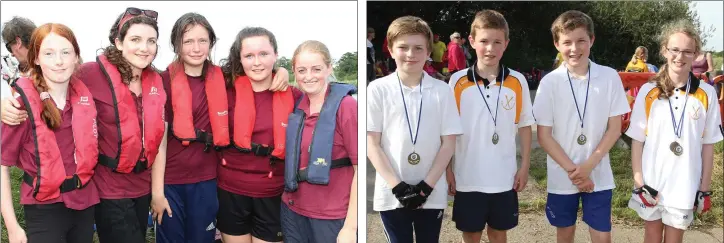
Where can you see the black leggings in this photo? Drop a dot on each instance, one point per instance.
(56, 223)
(123, 220)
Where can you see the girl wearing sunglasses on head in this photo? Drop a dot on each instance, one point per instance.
(129, 99)
(57, 147)
(196, 111)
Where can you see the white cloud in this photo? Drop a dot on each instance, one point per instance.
(333, 23)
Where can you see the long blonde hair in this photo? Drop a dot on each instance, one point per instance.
(662, 79)
(641, 53)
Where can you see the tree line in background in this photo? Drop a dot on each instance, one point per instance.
(619, 26)
(345, 69)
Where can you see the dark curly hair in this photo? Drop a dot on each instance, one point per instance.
(114, 55)
(231, 66)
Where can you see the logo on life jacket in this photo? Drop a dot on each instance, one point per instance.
(320, 161)
(83, 100)
(181, 102)
(138, 144)
(50, 178)
(320, 152)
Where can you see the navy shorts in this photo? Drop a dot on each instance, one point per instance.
(562, 210)
(297, 228)
(400, 223)
(194, 208)
(473, 210)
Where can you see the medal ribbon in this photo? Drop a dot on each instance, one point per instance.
(497, 101)
(585, 105)
(407, 116)
(678, 126)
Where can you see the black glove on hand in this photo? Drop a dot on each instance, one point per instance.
(425, 188)
(404, 193)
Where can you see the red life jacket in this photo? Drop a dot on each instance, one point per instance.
(245, 117)
(134, 140)
(51, 179)
(183, 125)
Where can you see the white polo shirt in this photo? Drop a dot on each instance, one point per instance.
(386, 114)
(554, 107)
(480, 165)
(677, 178)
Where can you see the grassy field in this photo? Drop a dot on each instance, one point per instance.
(621, 166)
(16, 176)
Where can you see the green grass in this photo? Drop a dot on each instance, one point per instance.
(717, 62)
(16, 176)
(621, 167)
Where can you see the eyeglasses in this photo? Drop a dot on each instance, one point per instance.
(7, 46)
(677, 52)
(132, 12)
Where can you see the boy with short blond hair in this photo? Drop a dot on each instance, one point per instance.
(578, 109)
(494, 104)
(411, 129)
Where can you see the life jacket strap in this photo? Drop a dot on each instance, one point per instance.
(257, 149)
(302, 175)
(141, 165)
(69, 184)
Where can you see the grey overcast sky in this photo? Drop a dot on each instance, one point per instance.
(333, 23)
(711, 13)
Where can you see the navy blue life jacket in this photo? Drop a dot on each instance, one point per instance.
(320, 151)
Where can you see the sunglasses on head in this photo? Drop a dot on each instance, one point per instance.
(132, 12)
(137, 11)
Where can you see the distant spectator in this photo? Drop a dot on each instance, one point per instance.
(429, 69)
(455, 55)
(370, 55)
(703, 63)
(638, 61)
(438, 52)
(466, 51)
(16, 35)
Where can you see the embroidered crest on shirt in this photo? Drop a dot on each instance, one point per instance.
(509, 103)
(694, 114)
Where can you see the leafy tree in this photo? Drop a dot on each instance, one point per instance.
(619, 26)
(346, 67)
(287, 64)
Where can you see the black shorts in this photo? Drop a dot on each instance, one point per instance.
(123, 220)
(473, 210)
(53, 222)
(241, 215)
